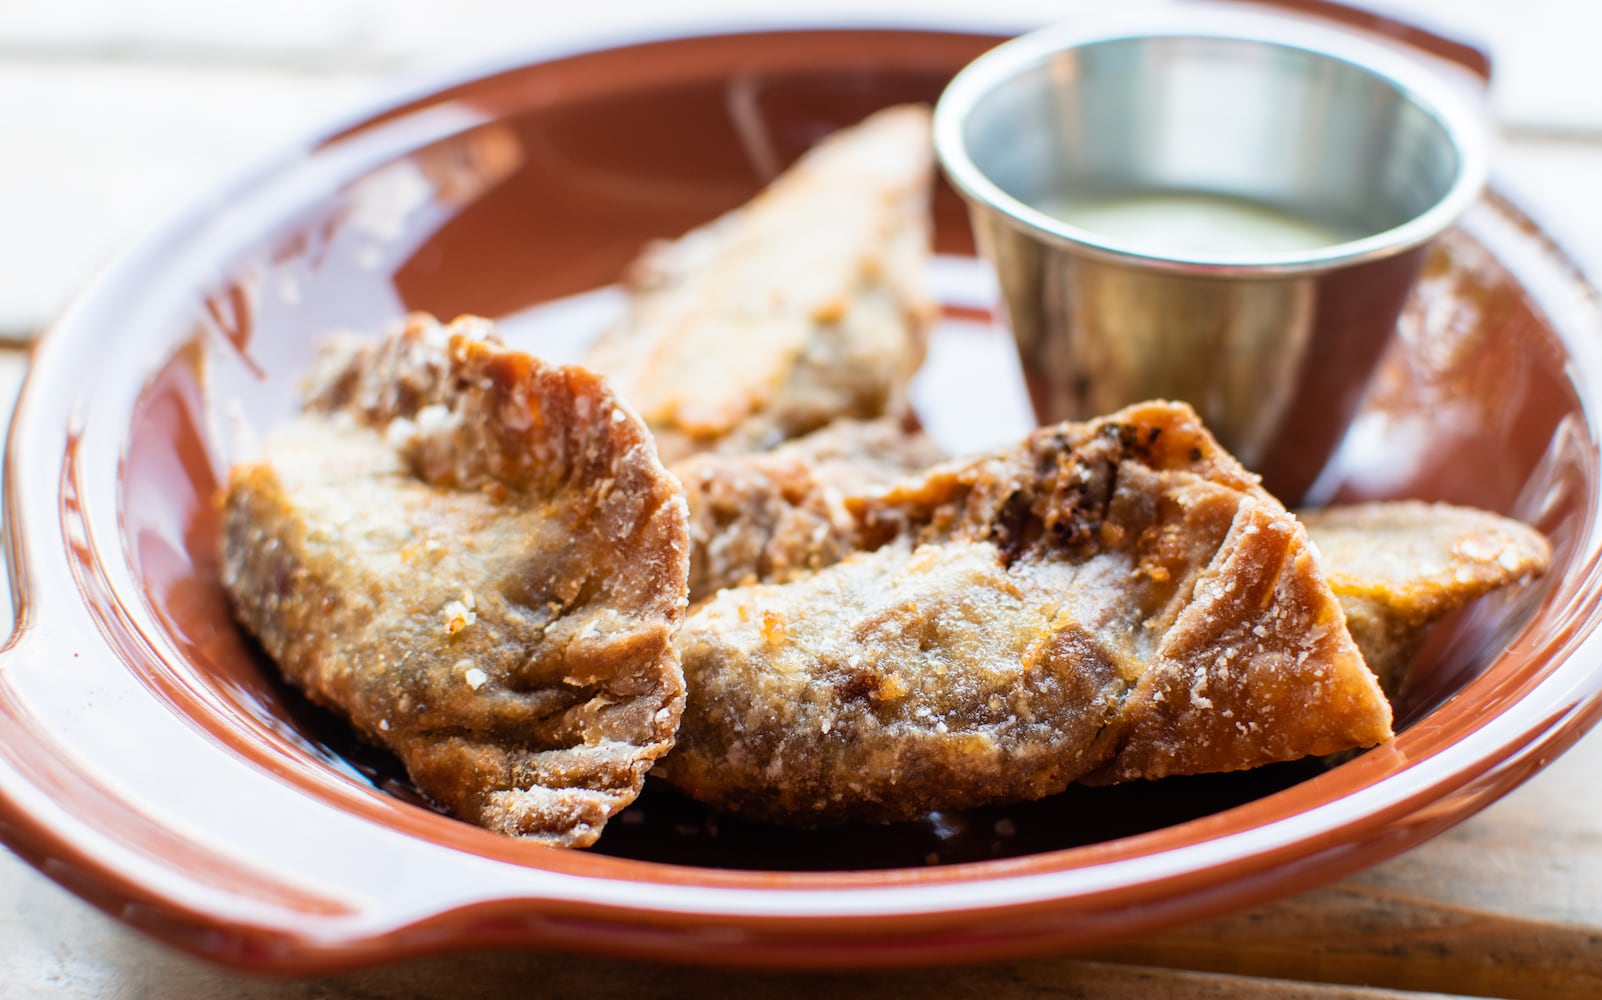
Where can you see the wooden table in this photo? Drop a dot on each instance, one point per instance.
(115, 118)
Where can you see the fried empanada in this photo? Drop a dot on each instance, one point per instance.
(1399, 566)
(1106, 601)
(803, 306)
(479, 560)
(771, 516)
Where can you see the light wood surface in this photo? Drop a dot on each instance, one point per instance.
(117, 112)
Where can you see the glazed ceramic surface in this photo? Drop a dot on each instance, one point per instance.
(151, 762)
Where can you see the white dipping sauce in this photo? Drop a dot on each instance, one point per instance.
(1195, 225)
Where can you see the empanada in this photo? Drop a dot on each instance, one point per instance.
(478, 560)
(1106, 601)
(801, 307)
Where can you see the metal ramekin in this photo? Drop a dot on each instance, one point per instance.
(1307, 118)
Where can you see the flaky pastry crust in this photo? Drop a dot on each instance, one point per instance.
(1106, 601)
(477, 559)
(1399, 566)
(772, 516)
(803, 306)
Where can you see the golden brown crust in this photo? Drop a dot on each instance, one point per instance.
(894, 683)
(803, 306)
(1399, 566)
(771, 516)
(1106, 601)
(478, 559)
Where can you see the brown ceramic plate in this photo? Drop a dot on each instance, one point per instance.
(150, 762)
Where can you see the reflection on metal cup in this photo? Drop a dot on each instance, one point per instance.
(1228, 209)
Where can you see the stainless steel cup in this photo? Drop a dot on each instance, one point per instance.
(1245, 115)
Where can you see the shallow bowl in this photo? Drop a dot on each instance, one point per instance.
(150, 761)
